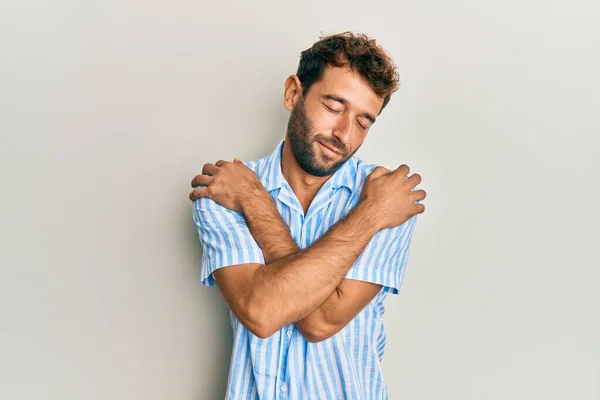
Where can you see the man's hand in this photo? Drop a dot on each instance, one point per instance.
(227, 183)
(390, 196)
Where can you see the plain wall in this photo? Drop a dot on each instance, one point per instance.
(109, 108)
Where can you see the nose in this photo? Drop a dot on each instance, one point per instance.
(343, 129)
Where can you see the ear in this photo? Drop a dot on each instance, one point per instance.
(292, 93)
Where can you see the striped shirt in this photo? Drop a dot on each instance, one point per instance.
(286, 365)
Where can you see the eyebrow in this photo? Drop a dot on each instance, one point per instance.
(346, 102)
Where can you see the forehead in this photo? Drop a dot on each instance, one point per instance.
(349, 85)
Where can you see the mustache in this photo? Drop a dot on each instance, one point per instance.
(335, 145)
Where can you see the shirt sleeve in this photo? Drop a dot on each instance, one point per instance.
(224, 237)
(384, 259)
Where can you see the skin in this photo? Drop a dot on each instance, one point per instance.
(308, 287)
(343, 127)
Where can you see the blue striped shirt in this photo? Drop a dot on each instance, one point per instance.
(286, 365)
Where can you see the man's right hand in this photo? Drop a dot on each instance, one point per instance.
(390, 197)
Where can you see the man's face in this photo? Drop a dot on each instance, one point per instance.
(330, 124)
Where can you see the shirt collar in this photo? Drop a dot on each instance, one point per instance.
(344, 176)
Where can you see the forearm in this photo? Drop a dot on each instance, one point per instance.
(268, 229)
(276, 242)
(291, 287)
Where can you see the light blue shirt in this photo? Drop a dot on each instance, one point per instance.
(286, 365)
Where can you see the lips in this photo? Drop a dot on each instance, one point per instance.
(331, 149)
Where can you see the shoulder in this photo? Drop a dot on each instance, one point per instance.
(363, 167)
(208, 205)
(258, 166)
(361, 170)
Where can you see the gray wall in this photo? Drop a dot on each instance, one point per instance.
(109, 108)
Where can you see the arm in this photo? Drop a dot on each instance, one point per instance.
(348, 298)
(266, 298)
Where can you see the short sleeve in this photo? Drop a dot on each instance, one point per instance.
(384, 259)
(225, 239)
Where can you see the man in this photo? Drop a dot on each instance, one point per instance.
(305, 243)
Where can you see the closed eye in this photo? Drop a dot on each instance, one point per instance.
(334, 111)
(331, 109)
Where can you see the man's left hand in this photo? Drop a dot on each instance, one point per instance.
(227, 183)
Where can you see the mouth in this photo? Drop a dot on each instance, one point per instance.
(330, 151)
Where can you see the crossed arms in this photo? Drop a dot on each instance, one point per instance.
(306, 287)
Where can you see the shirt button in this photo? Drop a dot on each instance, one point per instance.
(283, 387)
(289, 333)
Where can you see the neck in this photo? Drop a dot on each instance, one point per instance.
(304, 185)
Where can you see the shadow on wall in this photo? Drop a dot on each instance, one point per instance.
(215, 334)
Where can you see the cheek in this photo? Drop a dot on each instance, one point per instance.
(358, 140)
(322, 122)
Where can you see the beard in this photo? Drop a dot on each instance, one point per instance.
(302, 140)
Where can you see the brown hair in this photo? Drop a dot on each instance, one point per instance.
(356, 51)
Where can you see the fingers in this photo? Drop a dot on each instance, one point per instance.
(378, 171)
(402, 170)
(209, 169)
(414, 179)
(202, 180)
(222, 163)
(199, 193)
(420, 195)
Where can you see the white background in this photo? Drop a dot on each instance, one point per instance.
(109, 108)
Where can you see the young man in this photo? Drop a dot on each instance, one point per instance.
(305, 243)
